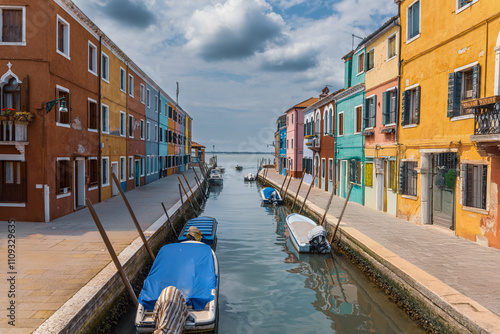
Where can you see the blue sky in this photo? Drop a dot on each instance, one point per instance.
(239, 63)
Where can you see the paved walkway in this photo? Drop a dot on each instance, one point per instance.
(54, 260)
(469, 268)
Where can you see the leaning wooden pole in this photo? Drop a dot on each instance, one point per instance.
(307, 195)
(298, 190)
(112, 253)
(342, 213)
(198, 181)
(191, 190)
(134, 218)
(185, 192)
(169, 221)
(288, 185)
(182, 204)
(327, 208)
(283, 184)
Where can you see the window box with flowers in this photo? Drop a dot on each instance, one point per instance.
(9, 114)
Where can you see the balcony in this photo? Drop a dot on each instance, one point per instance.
(486, 124)
(13, 132)
(313, 142)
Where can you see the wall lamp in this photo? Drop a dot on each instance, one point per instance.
(49, 105)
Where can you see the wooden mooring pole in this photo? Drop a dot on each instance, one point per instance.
(300, 185)
(112, 253)
(307, 195)
(169, 221)
(134, 218)
(198, 181)
(182, 204)
(327, 208)
(283, 184)
(185, 192)
(342, 213)
(286, 190)
(191, 190)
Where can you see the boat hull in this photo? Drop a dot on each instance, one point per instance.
(215, 182)
(267, 199)
(298, 228)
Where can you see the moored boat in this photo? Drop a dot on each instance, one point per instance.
(238, 167)
(192, 268)
(249, 177)
(271, 196)
(215, 178)
(306, 235)
(207, 226)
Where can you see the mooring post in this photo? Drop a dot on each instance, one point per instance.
(327, 208)
(192, 193)
(112, 253)
(283, 184)
(134, 218)
(286, 190)
(307, 195)
(185, 192)
(170, 222)
(182, 204)
(300, 185)
(342, 213)
(198, 181)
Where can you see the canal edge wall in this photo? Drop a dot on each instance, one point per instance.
(432, 303)
(87, 308)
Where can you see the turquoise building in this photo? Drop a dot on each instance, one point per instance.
(163, 138)
(349, 147)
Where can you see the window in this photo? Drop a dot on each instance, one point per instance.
(142, 166)
(156, 103)
(290, 147)
(92, 58)
(330, 170)
(148, 98)
(169, 112)
(148, 134)
(63, 118)
(93, 172)
(131, 126)
(175, 116)
(130, 168)
(410, 109)
(391, 47)
(413, 21)
(292, 118)
(105, 67)
(142, 129)
(161, 134)
(105, 118)
(474, 185)
(131, 85)
(92, 115)
(123, 169)
(123, 124)
(369, 174)
(462, 4)
(408, 178)
(341, 124)
(156, 132)
(358, 116)
(142, 93)
(62, 37)
(123, 80)
(463, 84)
(389, 107)
(148, 164)
(361, 63)
(105, 171)
(13, 181)
(355, 171)
(13, 21)
(64, 178)
(370, 59)
(369, 119)
(323, 167)
(12, 95)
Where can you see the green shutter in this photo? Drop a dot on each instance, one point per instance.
(405, 108)
(451, 94)
(457, 100)
(417, 105)
(402, 177)
(394, 111)
(476, 74)
(463, 185)
(386, 104)
(366, 116)
(374, 114)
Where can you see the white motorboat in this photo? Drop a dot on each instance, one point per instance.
(271, 196)
(306, 235)
(215, 178)
(249, 177)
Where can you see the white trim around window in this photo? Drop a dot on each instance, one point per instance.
(69, 192)
(66, 90)
(23, 39)
(105, 70)
(395, 35)
(458, 10)
(338, 124)
(412, 87)
(123, 169)
(105, 172)
(142, 129)
(89, 100)
(106, 119)
(92, 57)
(409, 40)
(356, 117)
(148, 98)
(66, 41)
(131, 85)
(130, 123)
(94, 187)
(123, 80)
(358, 72)
(131, 168)
(142, 93)
(123, 124)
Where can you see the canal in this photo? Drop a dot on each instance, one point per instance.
(267, 287)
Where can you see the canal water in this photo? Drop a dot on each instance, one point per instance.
(267, 287)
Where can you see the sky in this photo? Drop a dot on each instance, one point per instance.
(240, 64)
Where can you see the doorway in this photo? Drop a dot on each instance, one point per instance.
(79, 183)
(137, 174)
(444, 177)
(114, 170)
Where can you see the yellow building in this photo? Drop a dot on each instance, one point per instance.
(113, 120)
(448, 57)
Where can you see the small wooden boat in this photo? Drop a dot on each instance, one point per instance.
(193, 269)
(249, 177)
(222, 169)
(306, 235)
(271, 196)
(208, 228)
(215, 178)
(238, 167)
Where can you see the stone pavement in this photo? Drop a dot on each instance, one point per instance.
(55, 260)
(471, 269)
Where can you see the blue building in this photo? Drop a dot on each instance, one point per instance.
(163, 140)
(281, 124)
(349, 139)
(152, 100)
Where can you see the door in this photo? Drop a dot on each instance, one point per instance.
(444, 177)
(387, 181)
(316, 171)
(323, 174)
(330, 175)
(137, 174)
(114, 169)
(344, 178)
(79, 183)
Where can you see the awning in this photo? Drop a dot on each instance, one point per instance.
(484, 101)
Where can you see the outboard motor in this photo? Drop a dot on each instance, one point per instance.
(274, 197)
(317, 240)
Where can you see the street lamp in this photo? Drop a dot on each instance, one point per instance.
(49, 105)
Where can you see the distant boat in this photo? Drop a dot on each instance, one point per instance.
(249, 177)
(208, 228)
(192, 268)
(215, 178)
(271, 196)
(306, 235)
(222, 169)
(238, 167)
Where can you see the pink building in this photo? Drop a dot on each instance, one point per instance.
(295, 137)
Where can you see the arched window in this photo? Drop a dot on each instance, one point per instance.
(318, 122)
(11, 95)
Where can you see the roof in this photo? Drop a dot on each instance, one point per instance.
(324, 101)
(388, 23)
(195, 144)
(304, 104)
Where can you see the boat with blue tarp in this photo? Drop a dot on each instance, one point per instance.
(271, 196)
(206, 225)
(192, 268)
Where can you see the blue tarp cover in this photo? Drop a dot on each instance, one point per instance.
(268, 191)
(207, 227)
(187, 266)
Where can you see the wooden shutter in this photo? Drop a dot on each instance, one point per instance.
(451, 94)
(365, 114)
(396, 105)
(417, 105)
(386, 104)
(484, 186)
(24, 90)
(374, 112)
(405, 108)
(402, 177)
(12, 27)
(476, 74)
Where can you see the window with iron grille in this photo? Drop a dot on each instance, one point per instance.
(408, 178)
(355, 171)
(474, 185)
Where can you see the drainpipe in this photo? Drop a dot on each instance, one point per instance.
(399, 73)
(99, 156)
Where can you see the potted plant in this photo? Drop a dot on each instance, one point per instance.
(24, 116)
(8, 113)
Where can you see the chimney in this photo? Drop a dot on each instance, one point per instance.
(324, 93)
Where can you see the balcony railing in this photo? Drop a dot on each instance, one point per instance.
(13, 131)
(312, 142)
(487, 120)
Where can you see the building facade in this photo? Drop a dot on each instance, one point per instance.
(281, 144)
